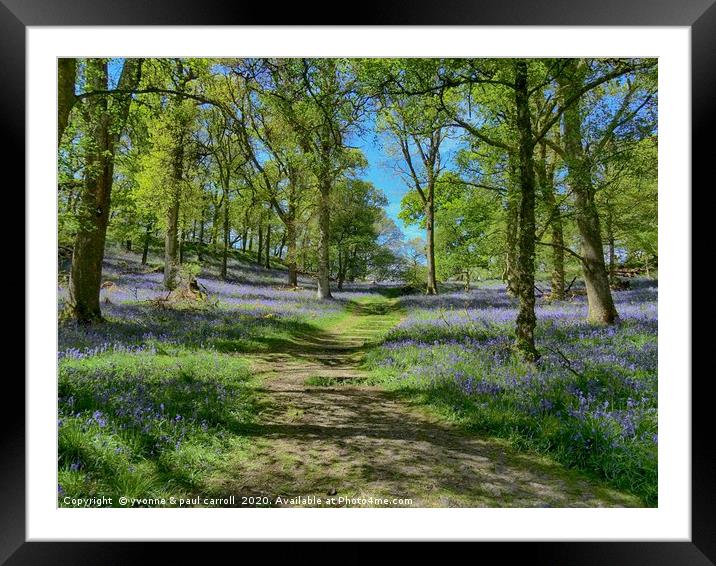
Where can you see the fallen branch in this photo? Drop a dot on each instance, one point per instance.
(441, 311)
(570, 284)
(566, 363)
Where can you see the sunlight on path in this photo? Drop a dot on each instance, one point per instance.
(326, 431)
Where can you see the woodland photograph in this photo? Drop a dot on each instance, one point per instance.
(344, 282)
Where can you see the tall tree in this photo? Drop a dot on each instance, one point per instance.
(357, 205)
(575, 80)
(526, 319)
(601, 304)
(223, 145)
(419, 128)
(278, 170)
(104, 117)
(322, 103)
(517, 99)
(504, 113)
(180, 118)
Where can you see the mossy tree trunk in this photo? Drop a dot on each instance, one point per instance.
(260, 242)
(227, 230)
(525, 268)
(268, 247)
(596, 278)
(105, 121)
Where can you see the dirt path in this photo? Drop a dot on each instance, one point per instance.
(325, 434)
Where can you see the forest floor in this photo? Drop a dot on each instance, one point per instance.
(262, 392)
(327, 434)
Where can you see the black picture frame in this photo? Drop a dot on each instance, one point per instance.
(699, 15)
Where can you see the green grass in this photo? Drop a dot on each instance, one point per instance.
(141, 425)
(531, 414)
(157, 424)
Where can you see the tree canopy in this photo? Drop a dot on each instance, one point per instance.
(524, 169)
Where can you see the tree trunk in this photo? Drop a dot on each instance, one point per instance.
(354, 255)
(200, 247)
(244, 237)
(558, 275)
(610, 242)
(103, 131)
(512, 219)
(66, 99)
(182, 243)
(93, 211)
(291, 254)
(215, 226)
(431, 288)
(225, 255)
(260, 244)
(279, 252)
(546, 182)
(525, 269)
(268, 246)
(324, 288)
(171, 245)
(145, 249)
(341, 273)
(171, 242)
(305, 265)
(599, 295)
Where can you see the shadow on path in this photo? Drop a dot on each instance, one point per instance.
(360, 441)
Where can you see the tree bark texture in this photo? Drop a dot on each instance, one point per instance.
(525, 269)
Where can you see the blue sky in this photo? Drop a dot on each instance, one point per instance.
(381, 171)
(383, 176)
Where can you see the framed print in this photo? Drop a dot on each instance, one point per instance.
(405, 268)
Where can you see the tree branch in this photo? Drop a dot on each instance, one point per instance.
(564, 248)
